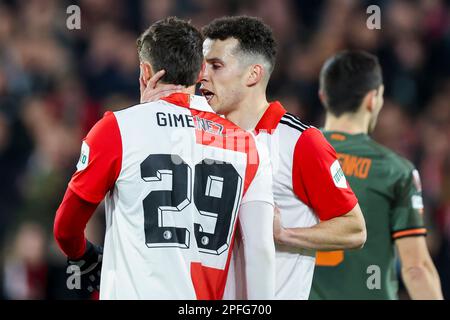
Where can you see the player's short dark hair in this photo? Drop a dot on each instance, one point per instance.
(346, 78)
(174, 45)
(254, 36)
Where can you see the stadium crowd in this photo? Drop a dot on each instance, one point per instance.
(55, 83)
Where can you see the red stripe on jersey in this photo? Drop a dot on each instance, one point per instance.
(209, 283)
(104, 161)
(206, 281)
(179, 99)
(271, 117)
(233, 138)
(202, 276)
(312, 178)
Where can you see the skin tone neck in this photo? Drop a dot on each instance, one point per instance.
(351, 123)
(149, 78)
(250, 110)
(188, 90)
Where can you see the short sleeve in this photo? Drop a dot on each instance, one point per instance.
(407, 213)
(318, 179)
(100, 161)
(260, 189)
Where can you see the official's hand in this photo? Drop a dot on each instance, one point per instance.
(90, 266)
(154, 91)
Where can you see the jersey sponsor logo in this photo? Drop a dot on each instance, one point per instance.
(416, 180)
(338, 175)
(354, 166)
(84, 157)
(209, 126)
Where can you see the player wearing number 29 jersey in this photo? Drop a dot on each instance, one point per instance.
(174, 179)
(170, 202)
(177, 182)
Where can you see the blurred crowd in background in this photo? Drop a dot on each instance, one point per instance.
(55, 83)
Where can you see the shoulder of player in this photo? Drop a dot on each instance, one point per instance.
(393, 159)
(312, 139)
(134, 108)
(293, 122)
(396, 160)
(105, 125)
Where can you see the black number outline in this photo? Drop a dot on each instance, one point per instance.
(218, 245)
(153, 168)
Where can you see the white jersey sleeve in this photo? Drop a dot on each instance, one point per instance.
(252, 268)
(256, 222)
(254, 246)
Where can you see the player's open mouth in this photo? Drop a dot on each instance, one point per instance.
(207, 94)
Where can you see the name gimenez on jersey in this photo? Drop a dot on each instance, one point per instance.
(208, 131)
(167, 119)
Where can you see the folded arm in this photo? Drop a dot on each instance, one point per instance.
(343, 232)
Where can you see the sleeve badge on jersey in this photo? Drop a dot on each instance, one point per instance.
(338, 175)
(84, 157)
(417, 202)
(416, 180)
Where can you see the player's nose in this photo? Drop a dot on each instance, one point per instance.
(204, 76)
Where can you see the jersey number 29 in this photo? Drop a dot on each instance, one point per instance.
(216, 189)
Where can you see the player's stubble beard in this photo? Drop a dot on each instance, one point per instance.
(224, 104)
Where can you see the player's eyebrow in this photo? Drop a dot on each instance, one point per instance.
(214, 60)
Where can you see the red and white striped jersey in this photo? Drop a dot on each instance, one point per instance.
(308, 186)
(174, 178)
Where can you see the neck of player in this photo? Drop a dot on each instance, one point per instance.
(188, 90)
(347, 123)
(249, 111)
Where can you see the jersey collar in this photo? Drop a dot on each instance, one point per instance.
(180, 99)
(271, 117)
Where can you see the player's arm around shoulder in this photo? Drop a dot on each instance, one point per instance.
(256, 223)
(320, 183)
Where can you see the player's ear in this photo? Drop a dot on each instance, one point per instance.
(256, 75)
(322, 97)
(146, 72)
(370, 100)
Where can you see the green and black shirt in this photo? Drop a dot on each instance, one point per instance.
(389, 193)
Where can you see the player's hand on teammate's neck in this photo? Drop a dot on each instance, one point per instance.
(153, 89)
